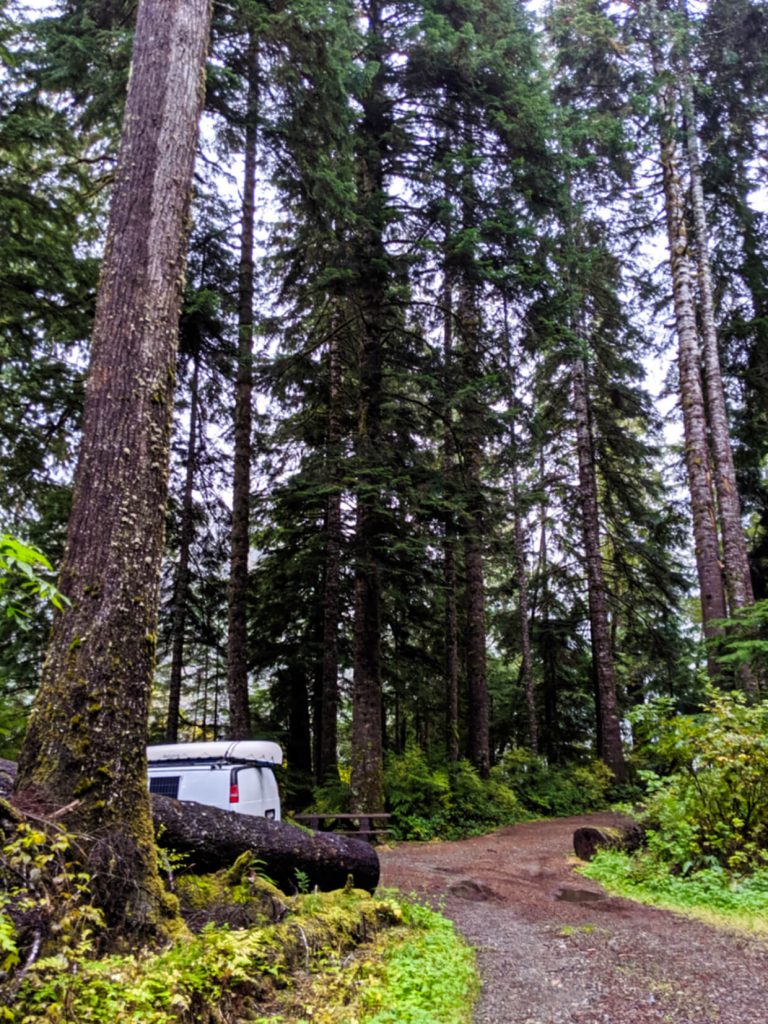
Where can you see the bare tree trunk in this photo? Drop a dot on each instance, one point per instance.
(735, 561)
(609, 731)
(526, 668)
(85, 745)
(706, 541)
(237, 640)
(479, 736)
(367, 740)
(181, 583)
(449, 546)
(694, 418)
(329, 696)
(367, 778)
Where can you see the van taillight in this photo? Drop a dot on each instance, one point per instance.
(234, 794)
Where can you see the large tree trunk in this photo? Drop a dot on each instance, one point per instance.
(181, 583)
(609, 730)
(449, 541)
(526, 658)
(707, 548)
(371, 293)
(327, 766)
(469, 324)
(471, 427)
(521, 574)
(237, 639)
(735, 561)
(85, 745)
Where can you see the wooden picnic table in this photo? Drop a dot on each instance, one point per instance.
(365, 823)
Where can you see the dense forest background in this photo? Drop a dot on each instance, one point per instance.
(471, 421)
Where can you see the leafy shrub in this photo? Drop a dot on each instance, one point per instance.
(713, 809)
(446, 801)
(555, 790)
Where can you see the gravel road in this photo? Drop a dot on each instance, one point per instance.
(554, 949)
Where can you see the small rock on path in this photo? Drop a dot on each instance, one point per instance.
(553, 948)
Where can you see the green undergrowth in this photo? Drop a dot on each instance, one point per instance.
(710, 894)
(246, 949)
(705, 813)
(433, 800)
(419, 972)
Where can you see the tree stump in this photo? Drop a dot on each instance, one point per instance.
(587, 841)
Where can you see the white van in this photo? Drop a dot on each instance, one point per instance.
(233, 775)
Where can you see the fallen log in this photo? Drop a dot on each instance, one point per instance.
(212, 839)
(587, 841)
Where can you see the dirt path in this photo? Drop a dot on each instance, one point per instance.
(553, 949)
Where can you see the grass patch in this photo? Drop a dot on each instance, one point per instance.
(419, 972)
(710, 894)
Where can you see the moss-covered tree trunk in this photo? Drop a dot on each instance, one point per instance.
(85, 746)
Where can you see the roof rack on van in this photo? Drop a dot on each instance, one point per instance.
(251, 751)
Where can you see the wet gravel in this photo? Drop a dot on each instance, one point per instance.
(553, 948)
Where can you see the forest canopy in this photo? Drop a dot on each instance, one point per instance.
(470, 423)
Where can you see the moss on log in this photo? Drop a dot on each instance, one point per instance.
(212, 839)
(587, 841)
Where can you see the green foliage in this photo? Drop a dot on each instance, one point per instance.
(712, 811)
(21, 578)
(444, 802)
(710, 891)
(419, 972)
(45, 900)
(221, 970)
(744, 644)
(554, 790)
(429, 978)
(225, 971)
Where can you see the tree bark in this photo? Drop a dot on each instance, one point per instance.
(587, 841)
(707, 549)
(181, 583)
(327, 766)
(738, 581)
(609, 731)
(85, 745)
(214, 839)
(449, 541)
(237, 640)
(471, 429)
(526, 666)
(371, 292)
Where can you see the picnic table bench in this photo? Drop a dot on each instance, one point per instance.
(364, 825)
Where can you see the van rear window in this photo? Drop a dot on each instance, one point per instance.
(165, 785)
